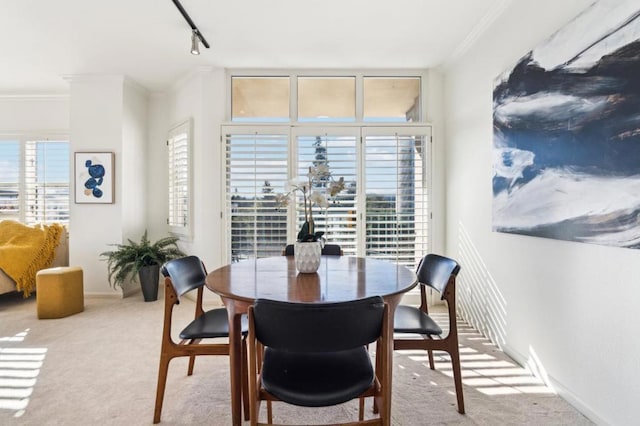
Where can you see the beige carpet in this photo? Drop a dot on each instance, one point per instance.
(100, 368)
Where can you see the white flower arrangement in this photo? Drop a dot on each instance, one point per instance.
(318, 176)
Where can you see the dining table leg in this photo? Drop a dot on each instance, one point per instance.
(385, 414)
(235, 360)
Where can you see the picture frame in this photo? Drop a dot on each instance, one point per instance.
(94, 177)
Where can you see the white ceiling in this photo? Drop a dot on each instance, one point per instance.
(41, 41)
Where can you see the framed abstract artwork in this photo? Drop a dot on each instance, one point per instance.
(566, 133)
(94, 177)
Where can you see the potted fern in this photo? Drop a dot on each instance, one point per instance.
(141, 260)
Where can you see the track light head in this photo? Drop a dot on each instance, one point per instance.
(195, 41)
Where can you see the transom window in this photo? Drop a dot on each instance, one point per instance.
(331, 98)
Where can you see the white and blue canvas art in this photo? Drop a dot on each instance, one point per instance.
(567, 133)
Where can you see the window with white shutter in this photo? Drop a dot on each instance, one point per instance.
(34, 181)
(396, 183)
(179, 155)
(46, 182)
(256, 170)
(367, 127)
(383, 212)
(336, 149)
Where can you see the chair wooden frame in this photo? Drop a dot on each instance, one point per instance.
(257, 393)
(447, 344)
(187, 347)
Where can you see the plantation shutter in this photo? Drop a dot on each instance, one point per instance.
(179, 147)
(256, 170)
(46, 182)
(338, 152)
(397, 197)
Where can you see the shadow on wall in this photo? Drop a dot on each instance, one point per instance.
(480, 302)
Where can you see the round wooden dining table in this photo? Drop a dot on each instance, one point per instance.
(338, 279)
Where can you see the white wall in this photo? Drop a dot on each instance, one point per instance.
(199, 96)
(568, 309)
(133, 161)
(108, 115)
(34, 114)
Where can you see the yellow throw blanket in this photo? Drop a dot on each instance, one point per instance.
(24, 250)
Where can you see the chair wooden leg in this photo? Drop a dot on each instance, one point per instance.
(457, 377)
(378, 367)
(192, 361)
(361, 409)
(245, 380)
(269, 413)
(431, 363)
(162, 381)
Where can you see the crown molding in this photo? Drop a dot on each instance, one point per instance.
(487, 20)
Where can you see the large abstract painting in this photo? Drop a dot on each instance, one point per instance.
(567, 133)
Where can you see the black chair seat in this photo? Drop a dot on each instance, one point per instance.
(317, 379)
(212, 324)
(409, 319)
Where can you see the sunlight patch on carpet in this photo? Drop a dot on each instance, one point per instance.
(19, 369)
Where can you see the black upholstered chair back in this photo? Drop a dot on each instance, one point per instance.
(327, 250)
(328, 327)
(435, 270)
(332, 250)
(186, 273)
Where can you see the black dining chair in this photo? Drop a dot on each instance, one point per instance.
(439, 273)
(327, 250)
(315, 355)
(182, 276)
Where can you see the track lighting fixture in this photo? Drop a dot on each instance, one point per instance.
(196, 35)
(195, 49)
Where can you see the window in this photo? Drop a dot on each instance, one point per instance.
(34, 181)
(260, 99)
(382, 213)
(327, 99)
(365, 127)
(256, 169)
(308, 97)
(179, 147)
(396, 181)
(337, 149)
(10, 180)
(395, 99)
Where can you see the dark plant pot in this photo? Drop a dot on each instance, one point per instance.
(149, 277)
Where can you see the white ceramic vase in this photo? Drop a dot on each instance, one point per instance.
(307, 256)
